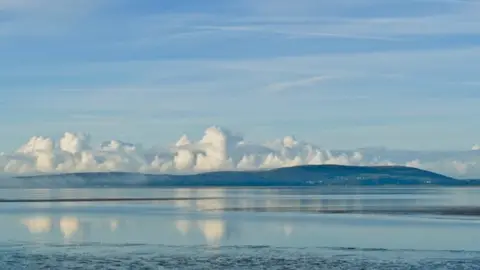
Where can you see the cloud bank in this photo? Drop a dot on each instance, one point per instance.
(218, 149)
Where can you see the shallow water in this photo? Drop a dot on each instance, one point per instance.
(297, 228)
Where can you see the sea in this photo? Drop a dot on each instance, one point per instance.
(240, 228)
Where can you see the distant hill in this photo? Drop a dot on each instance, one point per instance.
(311, 175)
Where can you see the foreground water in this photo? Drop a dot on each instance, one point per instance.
(298, 228)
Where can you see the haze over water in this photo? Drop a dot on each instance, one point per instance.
(303, 228)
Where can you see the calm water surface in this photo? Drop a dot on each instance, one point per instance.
(297, 228)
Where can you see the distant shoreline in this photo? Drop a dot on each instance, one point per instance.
(298, 176)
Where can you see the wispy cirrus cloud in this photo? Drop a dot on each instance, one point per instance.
(297, 84)
(322, 19)
(43, 17)
(298, 31)
(43, 8)
(173, 66)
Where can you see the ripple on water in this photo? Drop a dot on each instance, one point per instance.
(234, 257)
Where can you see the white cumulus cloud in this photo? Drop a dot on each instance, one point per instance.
(218, 149)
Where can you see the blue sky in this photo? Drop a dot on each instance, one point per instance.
(342, 74)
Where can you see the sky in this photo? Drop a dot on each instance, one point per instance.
(341, 74)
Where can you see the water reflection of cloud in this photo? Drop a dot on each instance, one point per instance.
(246, 203)
(183, 193)
(213, 231)
(183, 226)
(38, 225)
(280, 202)
(459, 197)
(113, 225)
(287, 229)
(211, 204)
(69, 226)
